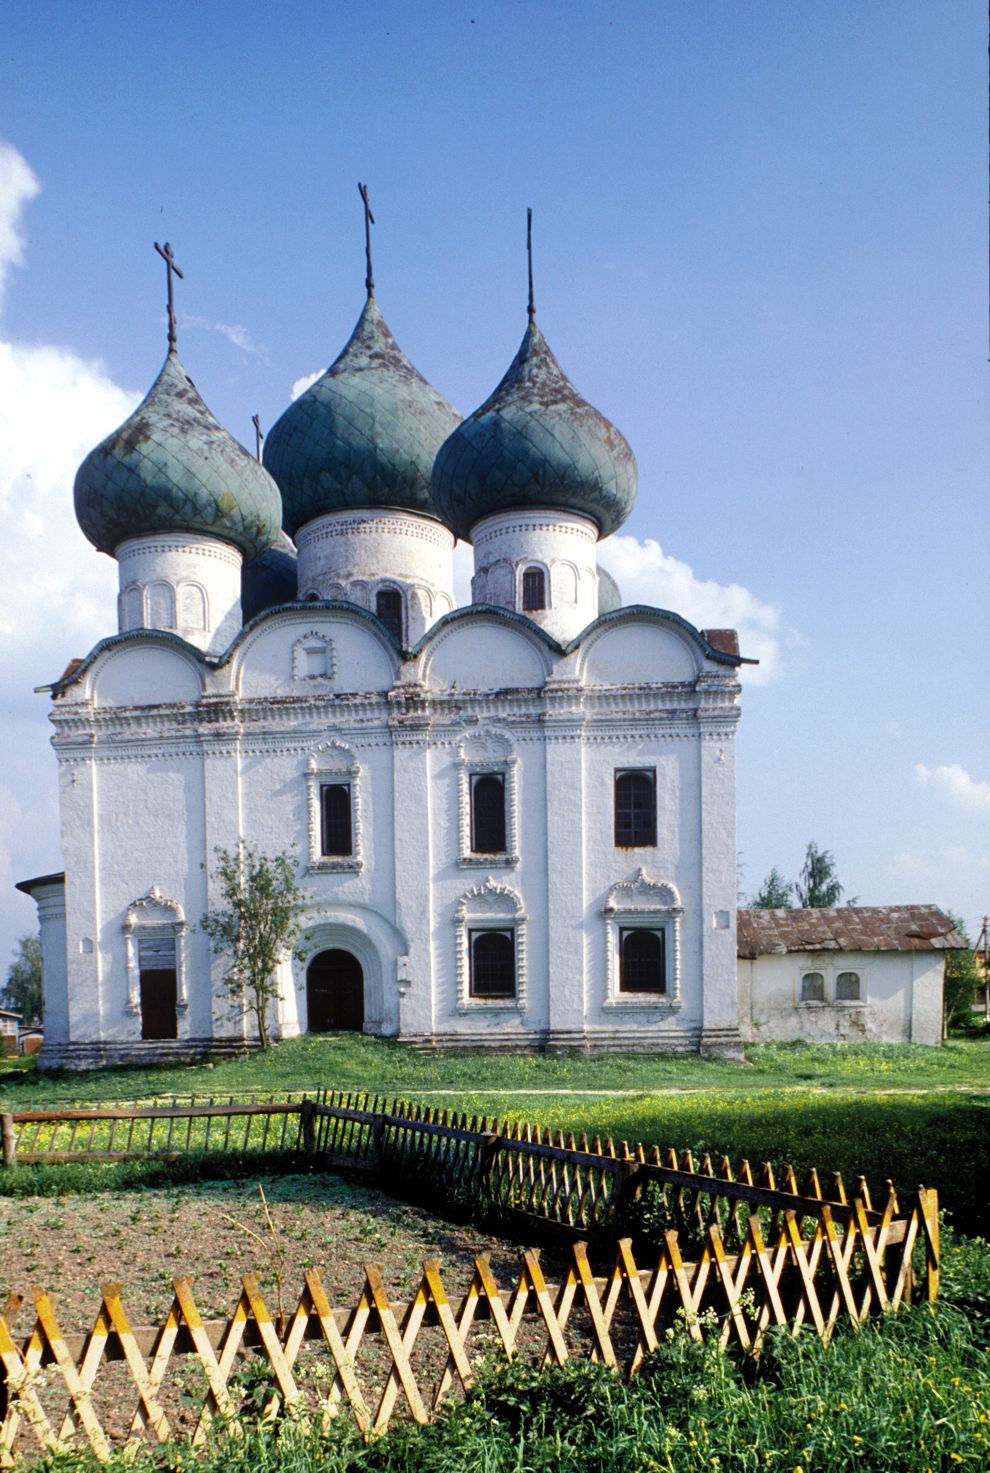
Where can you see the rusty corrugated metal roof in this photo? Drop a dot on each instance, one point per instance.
(726, 640)
(846, 928)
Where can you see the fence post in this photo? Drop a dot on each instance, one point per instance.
(377, 1140)
(9, 1140)
(308, 1127)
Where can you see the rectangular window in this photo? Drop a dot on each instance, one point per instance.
(336, 836)
(635, 808)
(493, 963)
(643, 960)
(487, 813)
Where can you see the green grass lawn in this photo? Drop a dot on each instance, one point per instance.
(352, 1061)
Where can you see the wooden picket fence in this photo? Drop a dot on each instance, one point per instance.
(377, 1358)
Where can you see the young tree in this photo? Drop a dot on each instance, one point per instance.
(819, 885)
(255, 925)
(774, 893)
(23, 991)
(962, 977)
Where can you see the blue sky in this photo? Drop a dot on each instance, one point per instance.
(760, 236)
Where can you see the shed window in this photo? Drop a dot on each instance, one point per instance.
(336, 837)
(487, 813)
(642, 961)
(534, 589)
(388, 607)
(493, 963)
(847, 987)
(813, 987)
(635, 808)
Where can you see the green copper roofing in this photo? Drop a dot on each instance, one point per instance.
(364, 435)
(535, 443)
(172, 467)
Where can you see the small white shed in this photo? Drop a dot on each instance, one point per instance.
(857, 973)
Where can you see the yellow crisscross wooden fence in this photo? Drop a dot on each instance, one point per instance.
(117, 1385)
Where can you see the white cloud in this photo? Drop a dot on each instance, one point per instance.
(234, 332)
(57, 596)
(954, 784)
(302, 384)
(18, 185)
(646, 574)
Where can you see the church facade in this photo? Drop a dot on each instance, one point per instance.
(513, 821)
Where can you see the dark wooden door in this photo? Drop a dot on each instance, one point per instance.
(335, 993)
(158, 996)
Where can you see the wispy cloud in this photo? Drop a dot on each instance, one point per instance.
(953, 783)
(234, 332)
(18, 186)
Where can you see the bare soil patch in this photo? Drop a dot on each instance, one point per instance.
(215, 1232)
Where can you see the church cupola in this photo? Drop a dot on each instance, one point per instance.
(180, 505)
(353, 457)
(533, 478)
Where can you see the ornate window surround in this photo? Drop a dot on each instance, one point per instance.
(482, 753)
(332, 762)
(155, 914)
(653, 905)
(495, 907)
(301, 647)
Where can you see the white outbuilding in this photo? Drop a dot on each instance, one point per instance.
(514, 821)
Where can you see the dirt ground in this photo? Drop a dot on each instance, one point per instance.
(214, 1232)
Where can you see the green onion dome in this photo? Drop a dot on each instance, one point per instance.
(535, 444)
(269, 580)
(172, 467)
(364, 436)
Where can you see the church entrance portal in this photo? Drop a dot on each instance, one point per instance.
(335, 993)
(158, 997)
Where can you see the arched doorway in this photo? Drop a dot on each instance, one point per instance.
(335, 993)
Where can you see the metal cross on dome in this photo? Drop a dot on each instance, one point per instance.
(531, 306)
(369, 220)
(171, 269)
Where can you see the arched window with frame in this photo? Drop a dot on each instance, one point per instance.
(848, 987)
(488, 813)
(534, 590)
(635, 816)
(642, 960)
(813, 987)
(388, 607)
(493, 963)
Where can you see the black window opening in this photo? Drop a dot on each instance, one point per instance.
(336, 834)
(493, 963)
(635, 808)
(642, 961)
(487, 813)
(388, 607)
(534, 589)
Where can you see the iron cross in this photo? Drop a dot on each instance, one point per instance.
(170, 269)
(531, 308)
(369, 220)
(258, 436)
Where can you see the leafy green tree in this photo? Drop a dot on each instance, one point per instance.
(255, 925)
(963, 975)
(774, 894)
(819, 886)
(23, 990)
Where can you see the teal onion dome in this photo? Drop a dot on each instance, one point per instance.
(172, 467)
(364, 436)
(535, 443)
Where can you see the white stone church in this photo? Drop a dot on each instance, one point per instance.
(514, 821)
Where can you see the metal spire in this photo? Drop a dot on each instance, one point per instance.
(531, 308)
(369, 220)
(258, 436)
(171, 269)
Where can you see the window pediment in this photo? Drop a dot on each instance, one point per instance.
(642, 895)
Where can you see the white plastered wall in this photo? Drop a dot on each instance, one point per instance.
(563, 546)
(356, 555)
(188, 584)
(900, 1002)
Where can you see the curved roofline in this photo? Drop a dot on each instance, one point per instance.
(160, 636)
(315, 605)
(615, 616)
(342, 606)
(508, 616)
